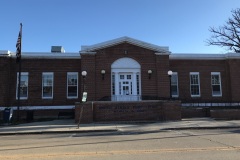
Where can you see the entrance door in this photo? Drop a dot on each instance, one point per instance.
(126, 80)
(125, 86)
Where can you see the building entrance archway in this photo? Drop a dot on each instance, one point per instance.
(126, 80)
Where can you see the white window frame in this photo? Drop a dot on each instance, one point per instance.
(199, 88)
(69, 74)
(177, 95)
(22, 74)
(220, 84)
(48, 73)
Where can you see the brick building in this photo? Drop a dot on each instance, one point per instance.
(123, 69)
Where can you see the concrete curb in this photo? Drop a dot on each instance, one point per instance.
(109, 130)
(55, 132)
(196, 128)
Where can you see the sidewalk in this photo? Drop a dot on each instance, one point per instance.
(68, 126)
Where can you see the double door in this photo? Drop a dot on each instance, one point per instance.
(125, 84)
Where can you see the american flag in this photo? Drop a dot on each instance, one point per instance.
(18, 45)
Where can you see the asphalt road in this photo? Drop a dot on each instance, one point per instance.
(134, 145)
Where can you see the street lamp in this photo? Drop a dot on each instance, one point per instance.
(103, 73)
(84, 97)
(84, 74)
(149, 74)
(170, 84)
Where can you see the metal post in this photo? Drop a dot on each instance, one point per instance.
(170, 80)
(170, 83)
(19, 85)
(84, 73)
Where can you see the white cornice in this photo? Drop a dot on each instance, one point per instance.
(48, 55)
(126, 39)
(204, 56)
(86, 52)
(233, 55)
(197, 57)
(166, 53)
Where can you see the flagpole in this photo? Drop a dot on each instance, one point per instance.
(19, 50)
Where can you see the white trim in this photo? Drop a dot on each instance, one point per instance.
(122, 40)
(72, 73)
(22, 74)
(86, 52)
(232, 56)
(210, 104)
(39, 107)
(125, 63)
(219, 74)
(200, 56)
(48, 55)
(126, 66)
(195, 73)
(164, 53)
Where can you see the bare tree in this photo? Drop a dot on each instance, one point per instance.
(227, 35)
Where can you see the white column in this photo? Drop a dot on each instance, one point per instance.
(116, 83)
(134, 84)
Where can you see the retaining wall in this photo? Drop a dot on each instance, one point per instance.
(128, 111)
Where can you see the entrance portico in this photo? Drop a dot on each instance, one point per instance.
(126, 76)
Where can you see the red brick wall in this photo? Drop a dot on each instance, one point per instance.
(128, 111)
(195, 112)
(163, 81)
(88, 63)
(229, 114)
(86, 112)
(5, 81)
(40, 114)
(35, 68)
(234, 70)
(104, 58)
(97, 88)
(204, 67)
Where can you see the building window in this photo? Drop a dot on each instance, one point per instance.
(23, 86)
(216, 84)
(120, 88)
(47, 85)
(72, 85)
(174, 84)
(194, 84)
(138, 88)
(113, 84)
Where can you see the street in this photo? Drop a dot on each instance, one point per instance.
(135, 145)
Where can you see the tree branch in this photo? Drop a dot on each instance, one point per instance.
(227, 35)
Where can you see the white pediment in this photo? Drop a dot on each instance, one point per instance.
(125, 39)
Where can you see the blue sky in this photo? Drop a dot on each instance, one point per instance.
(180, 24)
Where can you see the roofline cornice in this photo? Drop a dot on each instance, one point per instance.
(47, 55)
(87, 52)
(204, 56)
(125, 39)
(165, 53)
